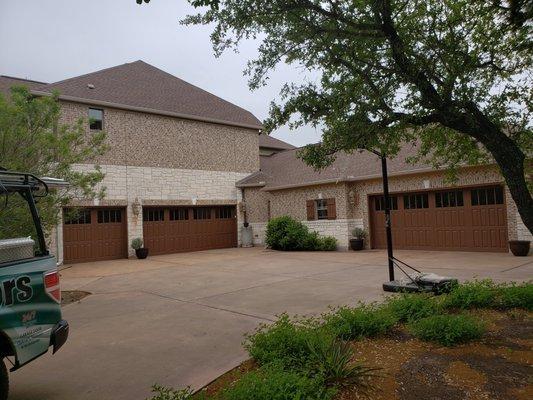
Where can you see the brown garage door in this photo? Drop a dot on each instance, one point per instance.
(467, 219)
(94, 234)
(178, 229)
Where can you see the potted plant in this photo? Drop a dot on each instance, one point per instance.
(140, 251)
(357, 242)
(519, 248)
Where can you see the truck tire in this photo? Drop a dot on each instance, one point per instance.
(4, 381)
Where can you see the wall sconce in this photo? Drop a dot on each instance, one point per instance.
(427, 184)
(352, 197)
(136, 207)
(194, 200)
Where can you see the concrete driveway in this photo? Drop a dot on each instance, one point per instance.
(179, 319)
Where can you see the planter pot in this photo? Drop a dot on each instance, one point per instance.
(519, 248)
(141, 253)
(357, 244)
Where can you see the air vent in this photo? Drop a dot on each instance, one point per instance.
(90, 86)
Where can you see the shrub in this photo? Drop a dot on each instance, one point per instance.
(164, 393)
(275, 383)
(285, 233)
(136, 243)
(515, 296)
(447, 330)
(412, 307)
(285, 342)
(334, 361)
(327, 243)
(363, 321)
(475, 294)
(358, 233)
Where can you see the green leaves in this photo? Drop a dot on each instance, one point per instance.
(33, 139)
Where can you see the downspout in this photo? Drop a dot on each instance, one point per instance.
(244, 207)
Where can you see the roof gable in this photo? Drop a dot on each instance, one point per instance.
(141, 85)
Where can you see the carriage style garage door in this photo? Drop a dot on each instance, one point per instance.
(178, 229)
(467, 219)
(94, 234)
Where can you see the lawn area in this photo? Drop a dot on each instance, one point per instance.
(474, 343)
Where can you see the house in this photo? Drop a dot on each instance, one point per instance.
(474, 214)
(175, 154)
(187, 168)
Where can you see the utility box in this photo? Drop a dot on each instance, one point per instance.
(16, 249)
(247, 237)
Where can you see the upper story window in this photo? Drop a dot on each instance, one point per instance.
(412, 201)
(453, 198)
(321, 209)
(379, 203)
(96, 119)
(487, 196)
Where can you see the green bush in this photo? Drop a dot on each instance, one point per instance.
(287, 234)
(364, 321)
(285, 342)
(447, 330)
(412, 307)
(164, 393)
(515, 296)
(334, 361)
(327, 243)
(273, 382)
(474, 294)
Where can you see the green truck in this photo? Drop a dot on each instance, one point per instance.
(30, 294)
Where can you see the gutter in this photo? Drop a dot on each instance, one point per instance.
(148, 110)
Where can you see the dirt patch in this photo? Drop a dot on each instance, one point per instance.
(495, 368)
(72, 296)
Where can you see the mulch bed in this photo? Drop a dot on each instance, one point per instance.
(499, 367)
(72, 296)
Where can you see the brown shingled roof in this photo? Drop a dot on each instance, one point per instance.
(143, 86)
(285, 169)
(7, 82)
(273, 143)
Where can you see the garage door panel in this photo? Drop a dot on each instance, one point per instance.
(460, 219)
(88, 235)
(199, 228)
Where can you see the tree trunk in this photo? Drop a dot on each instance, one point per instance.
(511, 160)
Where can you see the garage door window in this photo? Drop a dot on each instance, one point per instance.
(75, 217)
(109, 216)
(179, 214)
(223, 212)
(379, 203)
(414, 201)
(453, 198)
(153, 214)
(487, 196)
(202, 213)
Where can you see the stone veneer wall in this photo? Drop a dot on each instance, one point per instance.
(149, 140)
(352, 202)
(161, 186)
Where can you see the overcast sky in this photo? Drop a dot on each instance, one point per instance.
(51, 40)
